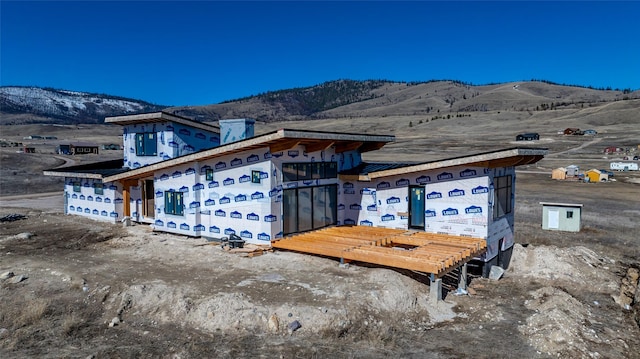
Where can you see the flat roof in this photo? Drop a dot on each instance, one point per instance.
(96, 170)
(277, 141)
(516, 156)
(557, 204)
(160, 117)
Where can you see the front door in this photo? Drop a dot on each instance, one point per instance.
(148, 201)
(416, 207)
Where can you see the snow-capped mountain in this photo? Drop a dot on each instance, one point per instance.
(34, 104)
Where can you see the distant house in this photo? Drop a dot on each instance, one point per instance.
(528, 136)
(32, 137)
(590, 132)
(572, 131)
(77, 148)
(26, 149)
(612, 149)
(559, 173)
(594, 175)
(572, 170)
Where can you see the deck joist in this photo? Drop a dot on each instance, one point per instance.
(432, 253)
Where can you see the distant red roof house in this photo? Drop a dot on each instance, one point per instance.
(612, 149)
(571, 131)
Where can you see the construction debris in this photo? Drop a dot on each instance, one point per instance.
(12, 217)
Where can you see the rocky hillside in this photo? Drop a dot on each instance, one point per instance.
(334, 99)
(20, 105)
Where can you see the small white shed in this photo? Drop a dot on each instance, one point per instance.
(561, 216)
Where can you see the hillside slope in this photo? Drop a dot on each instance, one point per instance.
(20, 105)
(345, 98)
(333, 99)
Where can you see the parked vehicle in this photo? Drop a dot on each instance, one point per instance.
(609, 173)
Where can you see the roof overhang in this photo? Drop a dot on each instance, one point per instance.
(160, 117)
(96, 170)
(501, 158)
(558, 204)
(280, 140)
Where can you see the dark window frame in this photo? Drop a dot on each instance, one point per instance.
(255, 176)
(503, 196)
(146, 146)
(98, 188)
(569, 214)
(312, 214)
(173, 203)
(309, 170)
(209, 174)
(77, 187)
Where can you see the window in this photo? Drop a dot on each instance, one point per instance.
(209, 174)
(311, 170)
(98, 188)
(146, 144)
(502, 204)
(569, 214)
(173, 203)
(309, 208)
(255, 176)
(77, 187)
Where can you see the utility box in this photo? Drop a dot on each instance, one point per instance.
(561, 216)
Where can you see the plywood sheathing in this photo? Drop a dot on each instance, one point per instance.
(432, 253)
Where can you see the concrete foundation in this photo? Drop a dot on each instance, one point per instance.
(435, 290)
(462, 282)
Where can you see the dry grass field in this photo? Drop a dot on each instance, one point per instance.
(560, 298)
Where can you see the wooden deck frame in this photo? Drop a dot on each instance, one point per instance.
(436, 254)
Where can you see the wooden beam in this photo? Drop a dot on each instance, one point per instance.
(318, 146)
(284, 145)
(348, 146)
(434, 253)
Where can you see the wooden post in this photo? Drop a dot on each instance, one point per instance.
(126, 196)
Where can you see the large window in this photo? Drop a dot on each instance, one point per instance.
(309, 208)
(146, 144)
(173, 203)
(502, 203)
(309, 170)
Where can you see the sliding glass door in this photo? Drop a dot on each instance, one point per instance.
(309, 208)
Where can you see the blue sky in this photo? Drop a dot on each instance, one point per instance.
(204, 52)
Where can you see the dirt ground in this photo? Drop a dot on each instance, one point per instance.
(73, 277)
(81, 288)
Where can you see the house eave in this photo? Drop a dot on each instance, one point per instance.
(72, 174)
(281, 140)
(160, 117)
(502, 158)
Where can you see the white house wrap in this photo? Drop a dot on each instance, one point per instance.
(290, 181)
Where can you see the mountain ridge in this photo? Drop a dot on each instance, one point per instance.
(333, 99)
